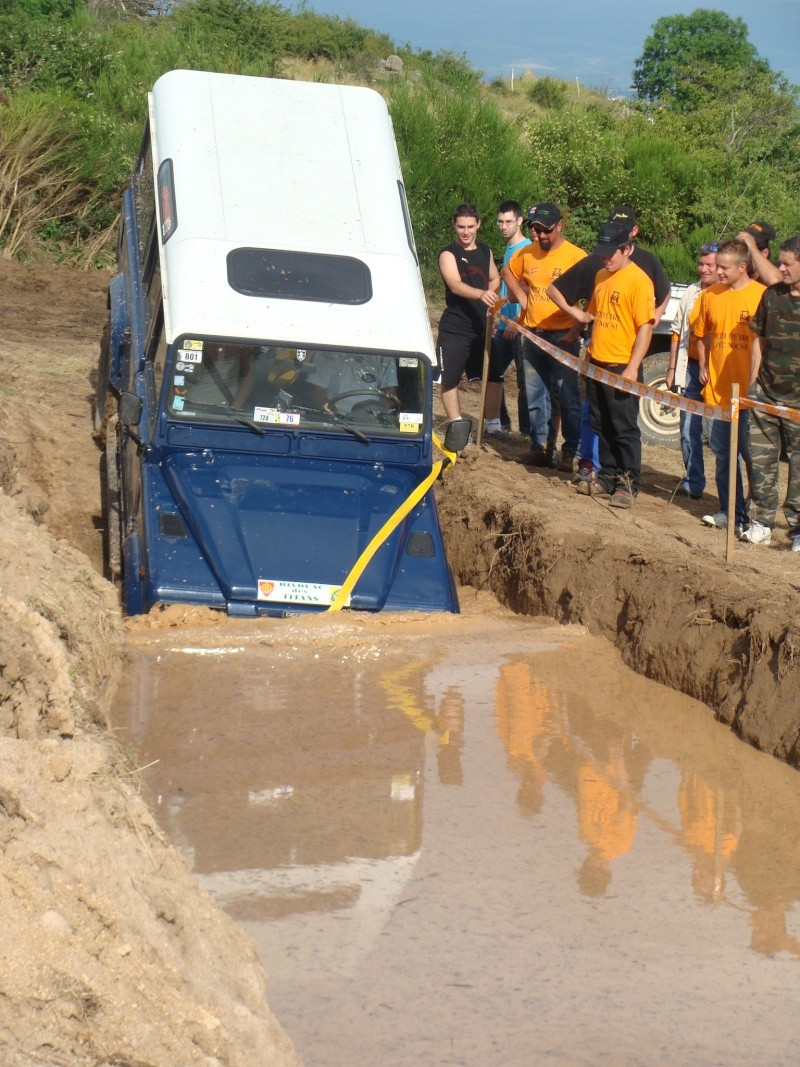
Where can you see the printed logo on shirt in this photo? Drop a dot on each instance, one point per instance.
(744, 316)
(615, 297)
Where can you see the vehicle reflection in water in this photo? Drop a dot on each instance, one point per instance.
(292, 770)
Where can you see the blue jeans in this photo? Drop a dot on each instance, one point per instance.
(543, 372)
(720, 441)
(692, 434)
(504, 352)
(590, 448)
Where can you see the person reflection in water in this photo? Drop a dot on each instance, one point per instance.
(450, 727)
(711, 826)
(524, 722)
(607, 818)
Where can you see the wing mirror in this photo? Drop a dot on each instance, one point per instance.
(456, 436)
(130, 409)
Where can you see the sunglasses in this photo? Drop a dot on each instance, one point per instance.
(707, 250)
(544, 229)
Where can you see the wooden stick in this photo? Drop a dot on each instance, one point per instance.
(487, 347)
(733, 468)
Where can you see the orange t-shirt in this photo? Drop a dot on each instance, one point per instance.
(538, 269)
(622, 302)
(722, 316)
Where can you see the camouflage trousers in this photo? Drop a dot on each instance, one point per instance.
(769, 435)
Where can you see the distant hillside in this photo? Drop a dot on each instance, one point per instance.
(74, 83)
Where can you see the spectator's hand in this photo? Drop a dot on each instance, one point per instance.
(490, 298)
(582, 316)
(704, 375)
(669, 379)
(573, 334)
(629, 374)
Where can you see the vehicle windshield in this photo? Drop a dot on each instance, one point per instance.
(275, 386)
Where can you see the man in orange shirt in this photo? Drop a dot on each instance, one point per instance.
(720, 324)
(528, 274)
(622, 312)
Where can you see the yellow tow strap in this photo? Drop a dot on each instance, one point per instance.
(339, 598)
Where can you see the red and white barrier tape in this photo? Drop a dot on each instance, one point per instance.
(646, 392)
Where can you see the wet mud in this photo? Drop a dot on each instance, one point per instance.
(476, 840)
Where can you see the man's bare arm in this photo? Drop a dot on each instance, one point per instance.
(639, 351)
(765, 269)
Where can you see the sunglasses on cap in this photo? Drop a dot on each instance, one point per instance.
(707, 250)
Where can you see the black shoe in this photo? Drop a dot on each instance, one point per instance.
(540, 457)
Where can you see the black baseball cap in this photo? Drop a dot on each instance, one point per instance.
(623, 213)
(610, 237)
(762, 233)
(546, 214)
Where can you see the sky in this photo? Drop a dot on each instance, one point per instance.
(595, 42)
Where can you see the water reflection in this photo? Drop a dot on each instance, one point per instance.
(594, 752)
(384, 811)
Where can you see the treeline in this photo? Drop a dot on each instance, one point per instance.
(708, 145)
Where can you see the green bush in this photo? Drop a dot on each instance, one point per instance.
(548, 93)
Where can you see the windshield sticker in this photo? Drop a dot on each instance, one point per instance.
(297, 592)
(188, 355)
(179, 379)
(408, 361)
(193, 346)
(410, 416)
(178, 402)
(300, 354)
(275, 417)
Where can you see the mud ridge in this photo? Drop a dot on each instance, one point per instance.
(676, 613)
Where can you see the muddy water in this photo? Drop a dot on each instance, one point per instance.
(477, 842)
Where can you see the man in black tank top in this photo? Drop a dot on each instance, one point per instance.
(471, 282)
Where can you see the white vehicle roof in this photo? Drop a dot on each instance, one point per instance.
(267, 163)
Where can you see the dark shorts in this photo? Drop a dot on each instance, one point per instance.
(454, 352)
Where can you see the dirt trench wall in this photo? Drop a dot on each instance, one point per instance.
(728, 638)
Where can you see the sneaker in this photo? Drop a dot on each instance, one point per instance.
(795, 543)
(622, 498)
(584, 473)
(590, 486)
(757, 533)
(567, 462)
(720, 521)
(500, 433)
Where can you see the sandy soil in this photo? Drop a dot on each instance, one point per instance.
(111, 952)
(116, 955)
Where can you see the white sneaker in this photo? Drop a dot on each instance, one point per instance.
(795, 543)
(720, 522)
(757, 533)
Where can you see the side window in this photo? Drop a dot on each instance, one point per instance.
(144, 197)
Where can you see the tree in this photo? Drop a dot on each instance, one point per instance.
(684, 52)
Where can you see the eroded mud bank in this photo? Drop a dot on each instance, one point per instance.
(728, 636)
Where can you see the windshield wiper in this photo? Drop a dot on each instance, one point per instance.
(334, 418)
(234, 413)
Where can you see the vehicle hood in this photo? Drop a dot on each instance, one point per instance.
(261, 524)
